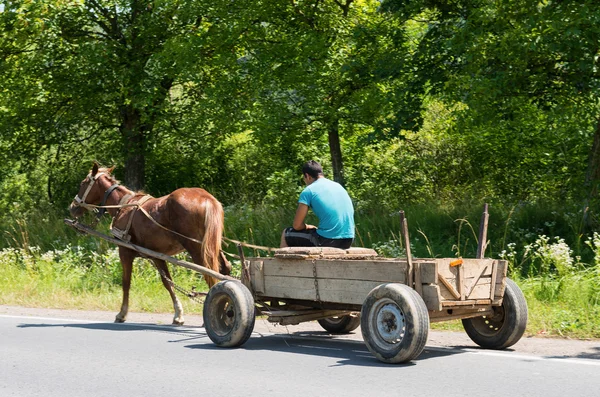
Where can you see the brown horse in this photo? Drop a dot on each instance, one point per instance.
(185, 215)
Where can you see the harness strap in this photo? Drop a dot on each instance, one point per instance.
(93, 179)
(125, 199)
(169, 230)
(124, 234)
(258, 247)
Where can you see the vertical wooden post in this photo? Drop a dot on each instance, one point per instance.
(483, 233)
(406, 242)
(245, 270)
(461, 282)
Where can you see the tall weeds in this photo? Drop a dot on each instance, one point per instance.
(45, 263)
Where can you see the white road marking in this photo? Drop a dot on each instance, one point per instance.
(516, 356)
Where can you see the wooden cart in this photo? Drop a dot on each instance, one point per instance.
(393, 300)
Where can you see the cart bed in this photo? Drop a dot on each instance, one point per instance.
(329, 275)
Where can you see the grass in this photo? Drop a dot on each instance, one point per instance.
(74, 278)
(46, 264)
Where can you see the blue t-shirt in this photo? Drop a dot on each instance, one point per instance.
(332, 205)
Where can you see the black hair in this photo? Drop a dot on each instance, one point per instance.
(312, 168)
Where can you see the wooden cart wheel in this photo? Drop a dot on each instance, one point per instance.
(394, 323)
(340, 324)
(506, 326)
(229, 314)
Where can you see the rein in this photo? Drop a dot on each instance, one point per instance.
(101, 209)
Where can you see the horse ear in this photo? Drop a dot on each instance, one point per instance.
(111, 169)
(95, 169)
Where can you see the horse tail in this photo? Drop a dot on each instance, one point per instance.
(214, 220)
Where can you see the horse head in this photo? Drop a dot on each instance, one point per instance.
(91, 190)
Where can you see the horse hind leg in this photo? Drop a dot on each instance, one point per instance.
(164, 274)
(126, 256)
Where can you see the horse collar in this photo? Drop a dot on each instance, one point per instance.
(106, 196)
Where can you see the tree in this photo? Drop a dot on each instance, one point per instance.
(328, 68)
(105, 74)
(528, 73)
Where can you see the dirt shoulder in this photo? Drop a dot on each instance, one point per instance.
(545, 347)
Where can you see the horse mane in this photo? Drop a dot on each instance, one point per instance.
(108, 172)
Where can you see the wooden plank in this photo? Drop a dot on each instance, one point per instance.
(460, 313)
(471, 267)
(404, 231)
(501, 279)
(257, 276)
(330, 290)
(418, 283)
(480, 291)
(324, 252)
(494, 274)
(431, 296)
(302, 312)
(483, 226)
(148, 252)
(294, 319)
(345, 291)
(290, 287)
(449, 287)
(470, 302)
(461, 282)
(429, 272)
(384, 271)
(474, 283)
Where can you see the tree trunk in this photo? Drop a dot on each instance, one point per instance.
(592, 178)
(134, 146)
(335, 150)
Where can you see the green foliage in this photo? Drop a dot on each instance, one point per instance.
(427, 106)
(78, 277)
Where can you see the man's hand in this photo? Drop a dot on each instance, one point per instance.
(308, 227)
(301, 212)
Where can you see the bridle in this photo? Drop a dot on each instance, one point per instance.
(92, 180)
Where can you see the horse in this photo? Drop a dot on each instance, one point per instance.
(188, 219)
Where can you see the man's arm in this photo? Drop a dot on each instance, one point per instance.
(301, 213)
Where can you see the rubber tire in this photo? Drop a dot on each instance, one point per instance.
(403, 300)
(340, 325)
(506, 329)
(229, 314)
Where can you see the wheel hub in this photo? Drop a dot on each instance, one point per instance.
(390, 323)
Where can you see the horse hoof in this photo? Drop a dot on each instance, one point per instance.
(178, 322)
(119, 320)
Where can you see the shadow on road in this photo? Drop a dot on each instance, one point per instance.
(593, 355)
(314, 343)
(348, 352)
(190, 332)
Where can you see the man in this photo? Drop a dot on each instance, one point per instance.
(330, 203)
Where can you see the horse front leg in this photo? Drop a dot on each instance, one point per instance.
(164, 274)
(126, 256)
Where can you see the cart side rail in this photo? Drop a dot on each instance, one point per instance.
(441, 285)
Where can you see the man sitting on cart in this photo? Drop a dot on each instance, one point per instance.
(330, 203)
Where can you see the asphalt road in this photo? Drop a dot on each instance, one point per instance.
(70, 353)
